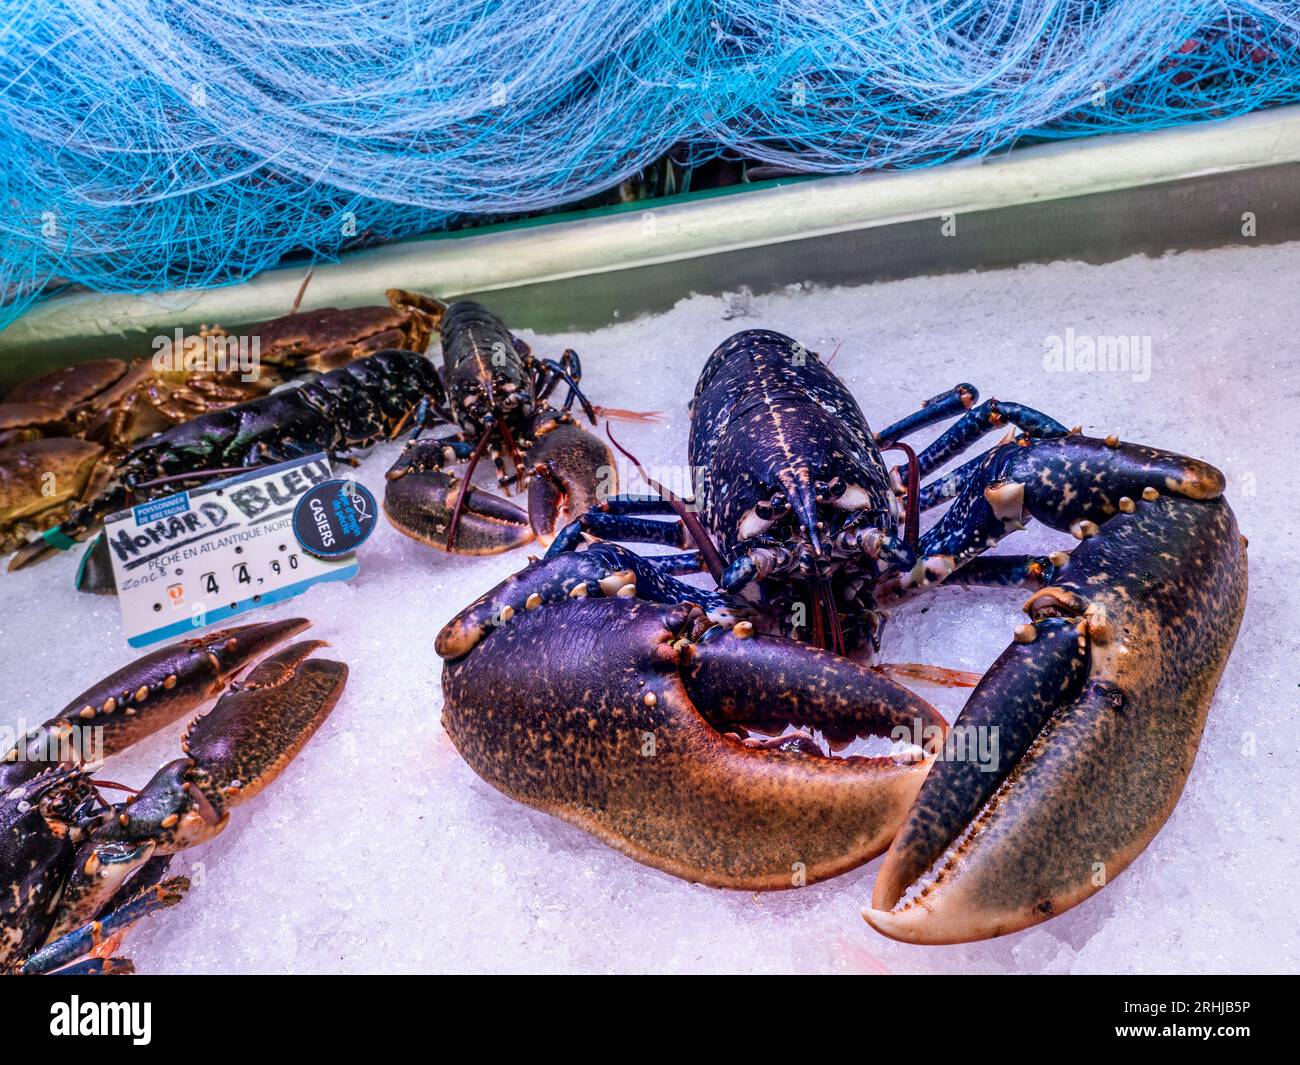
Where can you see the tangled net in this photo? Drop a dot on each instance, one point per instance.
(158, 143)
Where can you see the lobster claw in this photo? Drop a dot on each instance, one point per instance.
(420, 499)
(1099, 712)
(613, 714)
(573, 473)
(232, 753)
(150, 693)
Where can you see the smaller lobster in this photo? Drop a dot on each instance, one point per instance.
(497, 395)
(76, 870)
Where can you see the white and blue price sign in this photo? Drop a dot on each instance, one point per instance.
(196, 558)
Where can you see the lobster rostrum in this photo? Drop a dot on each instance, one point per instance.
(77, 870)
(599, 687)
(498, 399)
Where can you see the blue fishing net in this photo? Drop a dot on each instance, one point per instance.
(147, 144)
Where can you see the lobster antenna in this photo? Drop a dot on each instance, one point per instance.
(827, 598)
(466, 488)
(703, 541)
(115, 786)
(912, 523)
(196, 475)
(302, 290)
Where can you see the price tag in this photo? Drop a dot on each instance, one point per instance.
(196, 558)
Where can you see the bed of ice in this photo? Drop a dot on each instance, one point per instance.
(379, 849)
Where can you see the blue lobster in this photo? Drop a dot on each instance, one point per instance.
(598, 686)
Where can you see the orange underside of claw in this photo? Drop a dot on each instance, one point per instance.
(621, 414)
(926, 674)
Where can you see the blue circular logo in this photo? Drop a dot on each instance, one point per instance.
(334, 518)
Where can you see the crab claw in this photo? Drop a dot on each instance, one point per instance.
(420, 499)
(614, 714)
(151, 692)
(232, 753)
(1097, 711)
(574, 472)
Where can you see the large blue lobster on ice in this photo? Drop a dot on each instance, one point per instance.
(599, 687)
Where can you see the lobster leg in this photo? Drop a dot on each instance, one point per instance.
(936, 409)
(639, 504)
(1098, 710)
(610, 713)
(620, 518)
(989, 415)
(947, 486)
(620, 527)
(1071, 482)
(1006, 571)
(568, 370)
(59, 955)
(685, 562)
